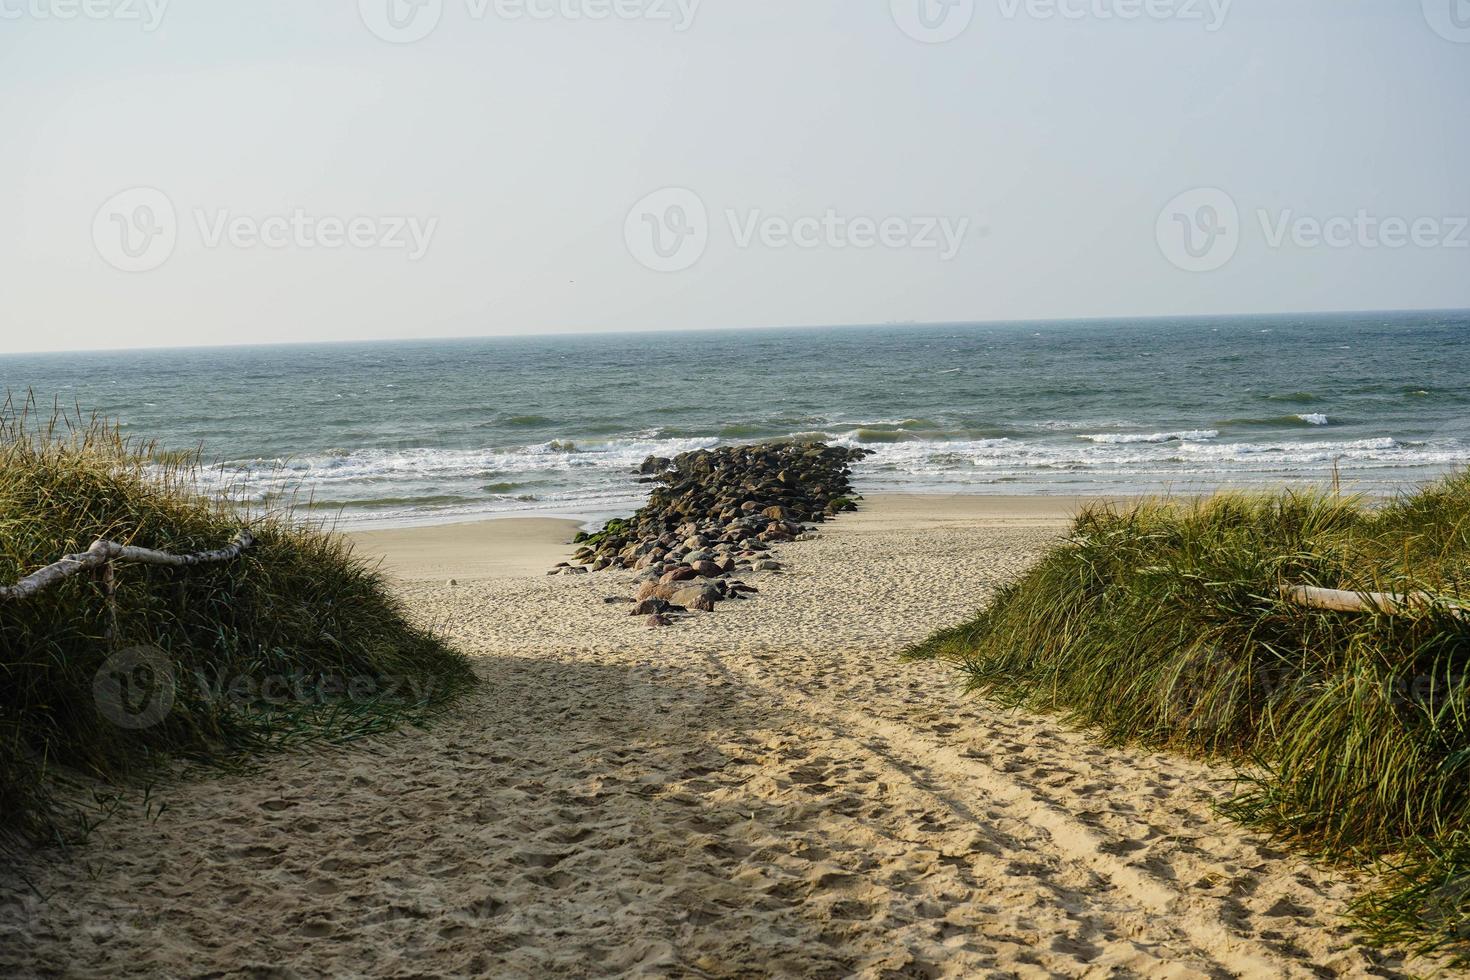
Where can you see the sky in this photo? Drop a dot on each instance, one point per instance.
(180, 172)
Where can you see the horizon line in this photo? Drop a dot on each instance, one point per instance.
(1022, 321)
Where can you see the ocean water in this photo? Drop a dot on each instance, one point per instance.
(438, 430)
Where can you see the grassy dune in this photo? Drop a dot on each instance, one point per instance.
(1164, 626)
(296, 641)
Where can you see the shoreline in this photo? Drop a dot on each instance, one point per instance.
(507, 547)
(985, 502)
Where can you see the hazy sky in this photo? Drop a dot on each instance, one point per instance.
(202, 171)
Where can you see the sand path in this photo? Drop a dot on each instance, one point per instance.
(765, 791)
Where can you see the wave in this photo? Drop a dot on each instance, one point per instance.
(1277, 421)
(1129, 438)
(599, 478)
(1061, 425)
(915, 430)
(502, 471)
(747, 430)
(1148, 466)
(431, 463)
(369, 503)
(505, 487)
(883, 435)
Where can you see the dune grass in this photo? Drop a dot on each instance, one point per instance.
(294, 642)
(1163, 625)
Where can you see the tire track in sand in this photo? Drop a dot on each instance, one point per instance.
(1055, 831)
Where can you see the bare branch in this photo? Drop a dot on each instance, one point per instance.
(103, 552)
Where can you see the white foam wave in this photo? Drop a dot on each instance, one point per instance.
(598, 478)
(1314, 418)
(1129, 438)
(336, 466)
(1111, 451)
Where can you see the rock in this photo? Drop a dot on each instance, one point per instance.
(649, 606)
(659, 619)
(645, 591)
(766, 565)
(720, 506)
(700, 597)
(452, 583)
(613, 600)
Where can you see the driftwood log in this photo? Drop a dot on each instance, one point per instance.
(1385, 603)
(104, 552)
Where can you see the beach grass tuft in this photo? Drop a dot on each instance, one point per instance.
(1164, 624)
(295, 642)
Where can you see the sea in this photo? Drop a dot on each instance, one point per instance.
(424, 431)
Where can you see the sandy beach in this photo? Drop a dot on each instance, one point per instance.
(517, 546)
(764, 790)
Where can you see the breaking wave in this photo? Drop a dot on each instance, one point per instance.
(1129, 438)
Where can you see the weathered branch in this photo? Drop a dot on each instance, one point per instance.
(103, 552)
(1386, 603)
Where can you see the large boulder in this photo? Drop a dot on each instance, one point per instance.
(700, 597)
